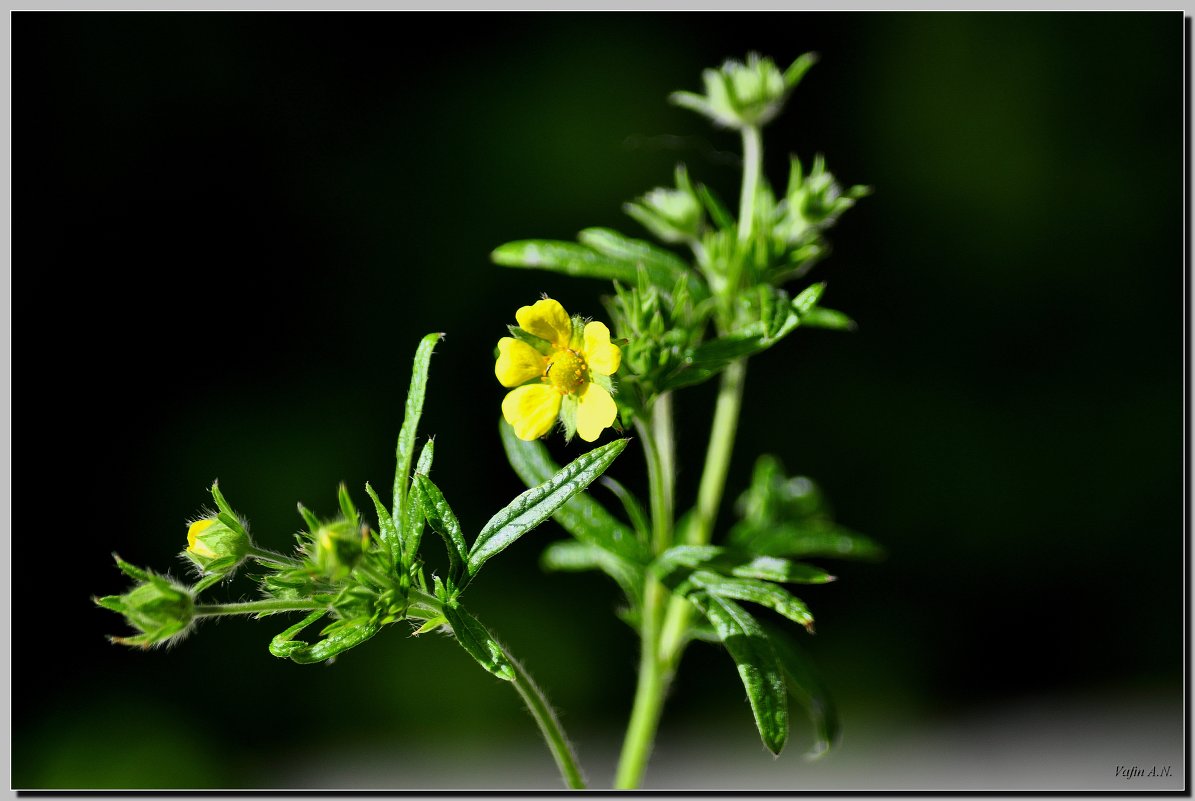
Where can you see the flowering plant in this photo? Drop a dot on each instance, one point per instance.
(676, 323)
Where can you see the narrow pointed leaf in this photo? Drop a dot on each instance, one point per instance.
(631, 506)
(405, 449)
(443, 521)
(813, 539)
(755, 591)
(807, 687)
(478, 642)
(582, 516)
(757, 664)
(386, 526)
(771, 568)
(573, 556)
(664, 268)
(537, 504)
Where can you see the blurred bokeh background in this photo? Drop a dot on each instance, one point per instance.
(240, 224)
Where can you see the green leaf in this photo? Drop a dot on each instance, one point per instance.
(812, 539)
(674, 565)
(664, 268)
(582, 517)
(443, 521)
(574, 557)
(716, 208)
(755, 591)
(603, 254)
(568, 258)
(412, 524)
(808, 298)
(341, 636)
(386, 527)
(806, 686)
(771, 568)
(475, 639)
(757, 664)
(827, 318)
(631, 506)
(537, 504)
(410, 422)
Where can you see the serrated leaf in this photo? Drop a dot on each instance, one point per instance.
(443, 521)
(582, 516)
(755, 591)
(478, 642)
(405, 449)
(757, 664)
(807, 687)
(537, 504)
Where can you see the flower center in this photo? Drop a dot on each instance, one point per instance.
(567, 371)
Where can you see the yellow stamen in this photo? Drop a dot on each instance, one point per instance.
(567, 371)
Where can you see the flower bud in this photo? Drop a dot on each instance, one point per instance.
(673, 215)
(338, 547)
(215, 547)
(159, 609)
(739, 95)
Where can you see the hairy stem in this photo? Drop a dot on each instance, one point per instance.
(258, 607)
(752, 163)
(271, 557)
(549, 725)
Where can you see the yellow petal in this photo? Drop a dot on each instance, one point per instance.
(595, 411)
(531, 410)
(602, 357)
(548, 320)
(518, 362)
(197, 528)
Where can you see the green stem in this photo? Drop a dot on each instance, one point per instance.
(663, 631)
(257, 607)
(658, 447)
(752, 163)
(549, 725)
(264, 555)
(649, 693)
(709, 498)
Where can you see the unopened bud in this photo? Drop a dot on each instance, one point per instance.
(215, 547)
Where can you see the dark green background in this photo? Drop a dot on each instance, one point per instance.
(240, 225)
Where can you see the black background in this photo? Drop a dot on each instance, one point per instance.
(232, 229)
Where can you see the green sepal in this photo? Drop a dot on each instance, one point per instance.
(568, 416)
(313, 522)
(537, 504)
(540, 344)
(226, 516)
(478, 642)
(405, 449)
(347, 508)
(430, 625)
(443, 521)
(757, 663)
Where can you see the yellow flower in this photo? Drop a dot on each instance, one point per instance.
(564, 374)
